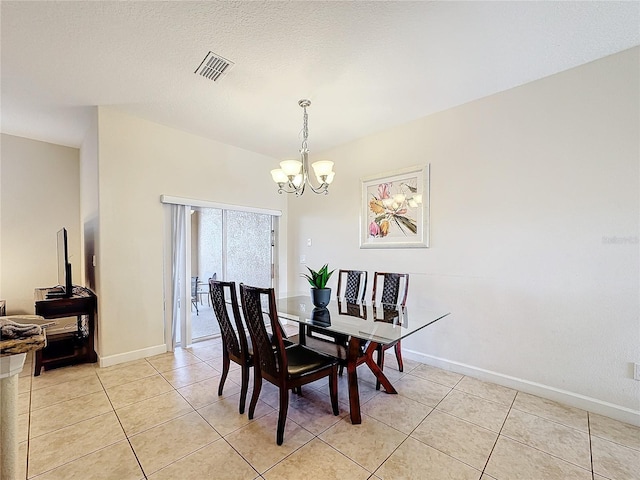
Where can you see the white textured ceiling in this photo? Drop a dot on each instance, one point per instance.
(366, 66)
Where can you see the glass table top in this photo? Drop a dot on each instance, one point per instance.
(381, 323)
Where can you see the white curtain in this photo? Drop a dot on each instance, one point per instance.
(178, 303)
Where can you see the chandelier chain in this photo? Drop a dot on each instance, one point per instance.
(305, 130)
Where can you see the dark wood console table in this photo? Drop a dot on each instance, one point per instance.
(67, 348)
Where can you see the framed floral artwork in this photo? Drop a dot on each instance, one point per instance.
(395, 209)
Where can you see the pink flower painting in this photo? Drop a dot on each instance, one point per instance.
(393, 208)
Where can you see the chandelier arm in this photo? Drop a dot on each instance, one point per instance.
(306, 177)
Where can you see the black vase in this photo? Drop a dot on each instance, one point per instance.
(320, 297)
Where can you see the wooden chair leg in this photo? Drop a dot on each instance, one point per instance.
(282, 414)
(398, 349)
(257, 386)
(225, 370)
(380, 362)
(333, 390)
(243, 388)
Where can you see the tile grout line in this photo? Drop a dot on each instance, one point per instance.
(462, 419)
(414, 429)
(279, 461)
(511, 407)
(163, 423)
(540, 450)
(593, 475)
(26, 470)
(122, 426)
(87, 454)
(194, 411)
(349, 458)
(260, 475)
(499, 433)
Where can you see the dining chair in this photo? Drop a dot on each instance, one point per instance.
(236, 345)
(391, 289)
(287, 368)
(352, 284)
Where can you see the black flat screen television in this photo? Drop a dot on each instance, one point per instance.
(64, 267)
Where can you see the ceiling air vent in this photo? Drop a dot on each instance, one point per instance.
(214, 66)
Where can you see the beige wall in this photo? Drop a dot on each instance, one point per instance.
(527, 187)
(89, 206)
(138, 162)
(39, 195)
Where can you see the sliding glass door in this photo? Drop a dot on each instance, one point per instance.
(249, 248)
(228, 245)
(205, 240)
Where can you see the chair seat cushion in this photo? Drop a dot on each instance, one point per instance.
(303, 360)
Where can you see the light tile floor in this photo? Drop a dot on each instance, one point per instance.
(161, 418)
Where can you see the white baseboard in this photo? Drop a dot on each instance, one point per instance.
(130, 356)
(607, 409)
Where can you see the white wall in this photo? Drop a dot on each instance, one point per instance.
(39, 195)
(138, 162)
(89, 203)
(527, 188)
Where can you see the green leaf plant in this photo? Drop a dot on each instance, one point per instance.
(320, 278)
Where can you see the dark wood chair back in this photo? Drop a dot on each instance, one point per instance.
(235, 345)
(268, 349)
(390, 288)
(352, 284)
(223, 296)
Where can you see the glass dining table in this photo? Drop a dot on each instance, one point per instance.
(365, 325)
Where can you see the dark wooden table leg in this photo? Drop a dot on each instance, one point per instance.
(368, 358)
(354, 395)
(302, 329)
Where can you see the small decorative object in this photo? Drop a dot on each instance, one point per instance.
(320, 294)
(395, 209)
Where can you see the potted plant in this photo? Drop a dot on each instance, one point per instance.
(320, 294)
